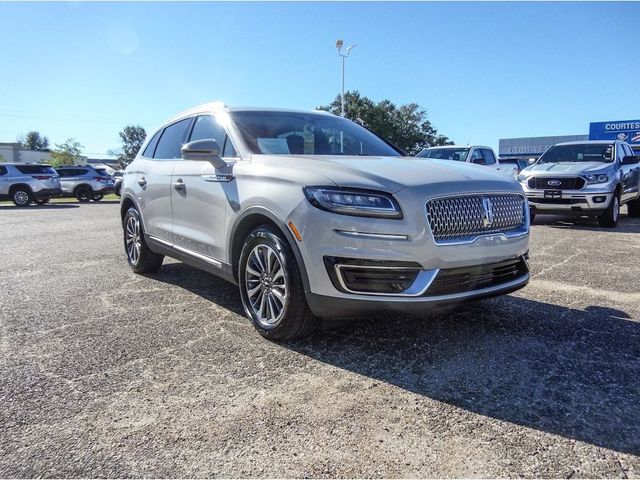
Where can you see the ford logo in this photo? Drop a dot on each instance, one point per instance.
(554, 183)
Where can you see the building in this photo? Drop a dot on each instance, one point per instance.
(533, 147)
(15, 153)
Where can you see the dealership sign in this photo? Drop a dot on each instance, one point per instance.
(625, 130)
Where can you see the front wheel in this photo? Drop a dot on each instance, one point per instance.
(611, 215)
(271, 287)
(21, 197)
(140, 257)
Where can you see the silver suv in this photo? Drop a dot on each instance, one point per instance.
(26, 183)
(591, 178)
(85, 183)
(312, 215)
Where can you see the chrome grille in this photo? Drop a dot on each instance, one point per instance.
(465, 217)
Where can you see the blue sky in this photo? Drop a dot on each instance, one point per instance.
(483, 71)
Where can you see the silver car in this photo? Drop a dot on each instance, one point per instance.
(590, 178)
(312, 215)
(85, 183)
(26, 183)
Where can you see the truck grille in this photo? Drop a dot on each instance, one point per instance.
(466, 217)
(559, 183)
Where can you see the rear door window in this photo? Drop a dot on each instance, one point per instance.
(151, 146)
(172, 139)
(3, 170)
(35, 169)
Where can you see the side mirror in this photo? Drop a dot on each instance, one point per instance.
(207, 150)
(630, 160)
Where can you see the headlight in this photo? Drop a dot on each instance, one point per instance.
(361, 203)
(591, 179)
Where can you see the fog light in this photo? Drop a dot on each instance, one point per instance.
(599, 199)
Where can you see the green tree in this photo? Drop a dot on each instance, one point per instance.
(34, 141)
(132, 137)
(406, 126)
(67, 153)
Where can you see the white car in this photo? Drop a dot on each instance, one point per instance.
(477, 154)
(312, 215)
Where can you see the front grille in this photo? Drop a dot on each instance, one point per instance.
(469, 216)
(559, 183)
(466, 279)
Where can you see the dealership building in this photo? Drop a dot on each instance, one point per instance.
(533, 147)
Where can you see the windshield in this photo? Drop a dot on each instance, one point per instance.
(458, 154)
(584, 152)
(289, 133)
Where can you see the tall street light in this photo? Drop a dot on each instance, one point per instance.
(339, 45)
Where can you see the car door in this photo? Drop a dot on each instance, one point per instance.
(629, 173)
(490, 159)
(5, 179)
(153, 179)
(199, 194)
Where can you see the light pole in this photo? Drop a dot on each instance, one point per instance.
(339, 45)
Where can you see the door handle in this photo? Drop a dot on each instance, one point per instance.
(142, 182)
(179, 185)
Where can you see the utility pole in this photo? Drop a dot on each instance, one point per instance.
(339, 45)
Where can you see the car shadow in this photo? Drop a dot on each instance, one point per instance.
(34, 208)
(566, 371)
(626, 224)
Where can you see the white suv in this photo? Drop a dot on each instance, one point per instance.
(312, 215)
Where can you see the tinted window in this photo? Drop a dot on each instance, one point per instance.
(30, 169)
(229, 149)
(151, 146)
(172, 140)
(207, 128)
(458, 154)
(489, 157)
(291, 133)
(581, 152)
(477, 157)
(3, 170)
(72, 172)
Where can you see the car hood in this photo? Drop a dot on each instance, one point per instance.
(392, 174)
(567, 168)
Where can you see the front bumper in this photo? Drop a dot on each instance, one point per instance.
(571, 201)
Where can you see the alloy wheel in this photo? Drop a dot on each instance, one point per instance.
(266, 285)
(132, 239)
(21, 197)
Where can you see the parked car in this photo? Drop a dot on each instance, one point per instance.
(312, 215)
(477, 154)
(518, 163)
(26, 183)
(591, 178)
(117, 181)
(84, 183)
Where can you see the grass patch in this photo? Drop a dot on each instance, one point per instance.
(111, 197)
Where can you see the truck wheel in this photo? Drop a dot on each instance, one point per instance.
(84, 194)
(611, 215)
(633, 208)
(21, 197)
(271, 287)
(140, 257)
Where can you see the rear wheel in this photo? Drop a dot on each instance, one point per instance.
(611, 215)
(84, 194)
(21, 197)
(97, 197)
(140, 257)
(271, 287)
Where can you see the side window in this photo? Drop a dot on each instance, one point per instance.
(229, 150)
(151, 146)
(489, 157)
(627, 150)
(476, 157)
(206, 128)
(3, 170)
(172, 140)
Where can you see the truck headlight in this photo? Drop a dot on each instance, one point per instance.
(360, 203)
(522, 178)
(593, 179)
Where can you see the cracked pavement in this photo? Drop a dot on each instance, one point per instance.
(109, 374)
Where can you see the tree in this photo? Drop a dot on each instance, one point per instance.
(405, 126)
(132, 137)
(67, 153)
(34, 141)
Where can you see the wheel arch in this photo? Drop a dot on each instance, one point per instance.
(78, 187)
(15, 186)
(250, 219)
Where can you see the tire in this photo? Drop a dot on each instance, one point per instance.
(140, 257)
(264, 290)
(532, 217)
(96, 197)
(633, 207)
(21, 197)
(84, 194)
(611, 215)
(42, 201)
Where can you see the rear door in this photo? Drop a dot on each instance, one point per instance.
(4, 180)
(153, 179)
(199, 194)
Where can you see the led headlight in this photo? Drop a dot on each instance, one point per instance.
(361, 203)
(592, 179)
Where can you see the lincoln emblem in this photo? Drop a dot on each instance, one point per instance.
(487, 216)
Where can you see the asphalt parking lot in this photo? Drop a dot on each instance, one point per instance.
(109, 374)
